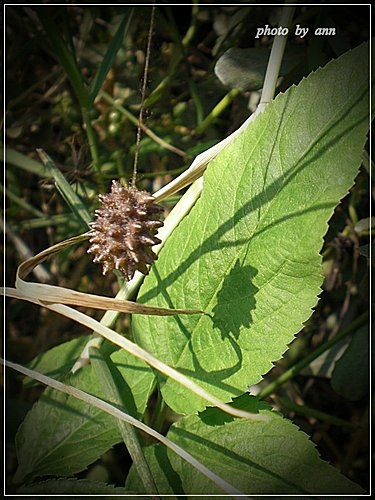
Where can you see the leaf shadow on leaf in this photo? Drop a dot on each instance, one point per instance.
(213, 417)
(213, 243)
(231, 296)
(198, 368)
(212, 376)
(170, 474)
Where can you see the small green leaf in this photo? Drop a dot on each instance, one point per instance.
(13, 157)
(62, 435)
(248, 252)
(272, 457)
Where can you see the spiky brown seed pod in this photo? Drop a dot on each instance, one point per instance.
(124, 230)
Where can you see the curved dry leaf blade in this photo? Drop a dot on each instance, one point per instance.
(50, 294)
(140, 353)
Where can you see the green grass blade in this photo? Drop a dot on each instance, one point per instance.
(110, 56)
(65, 57)
(66, 191)
(13, 157)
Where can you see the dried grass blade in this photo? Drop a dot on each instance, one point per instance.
(49, 294)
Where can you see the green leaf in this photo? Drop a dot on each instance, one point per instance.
(244, 69)
(22, 161)
(109, 57)
(62, 435)
(69, 486)
(248, 252)
(272, 457)
(57, 361)
(61, 51)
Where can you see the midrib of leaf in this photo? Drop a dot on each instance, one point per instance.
(281, 182)
(261, 218)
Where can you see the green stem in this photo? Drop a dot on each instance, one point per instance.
(91, 138)
(193, 25)
(22, 203)
(197, 101)
(298, 367)
(128, 432)
(145, 129)
(46, 221)
(217, 110)
(312, 412)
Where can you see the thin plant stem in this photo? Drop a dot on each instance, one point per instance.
(144, 128)
(93, 146)
(193, 25)
(128, 432)
(312, 412)
(217, 110)
(22, 203)
(176, 57)
(143, 94)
